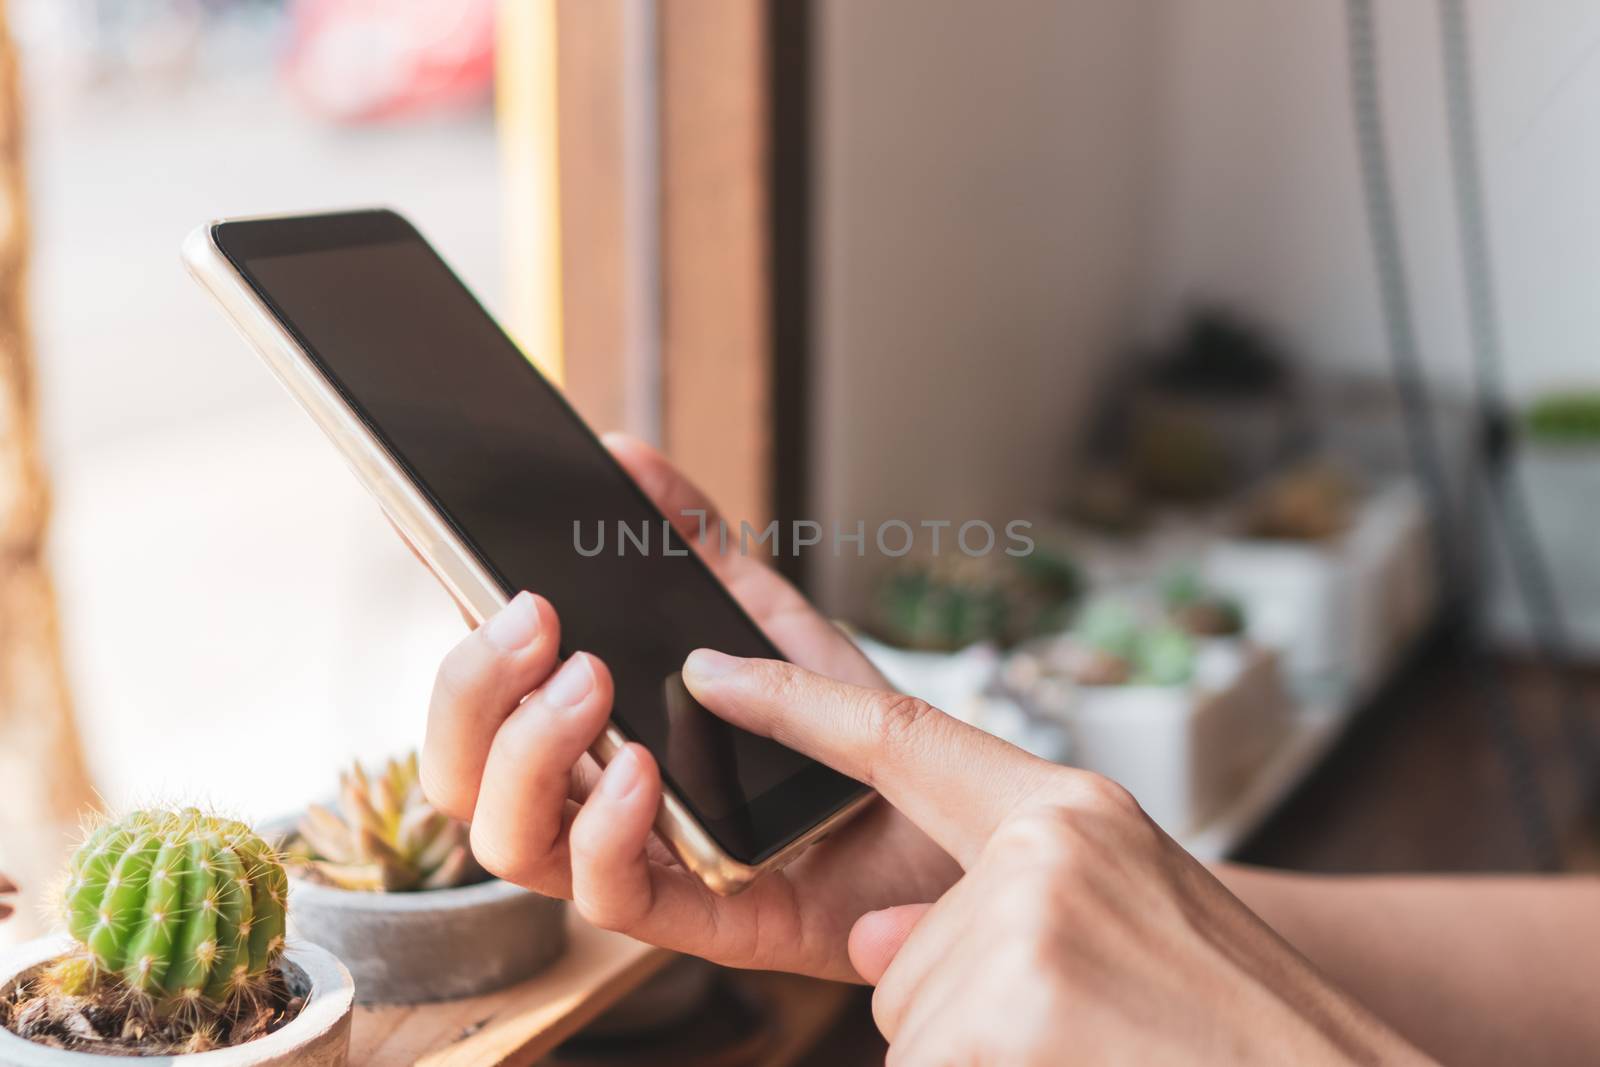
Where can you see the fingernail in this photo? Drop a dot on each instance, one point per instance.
(570, 684)
(515, 625)
(621, 775)
(708, 664)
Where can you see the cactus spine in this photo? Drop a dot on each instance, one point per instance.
(181, 906)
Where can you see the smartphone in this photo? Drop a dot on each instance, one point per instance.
(491, 476)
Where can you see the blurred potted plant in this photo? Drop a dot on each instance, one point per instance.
(1215, 409)
(940, 623)
(1182, 721)
(8, 888)
(1199, 610)
(1334, 574)
(389, 883)
(176, 946)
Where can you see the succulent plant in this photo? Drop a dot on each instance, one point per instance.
(1113, 645)
(1200, 610)
(1109, 625)
(1309, 502)
(1564, 417)
(385, 836)
(942, 605)
(178, 906)
(1164, 656)
(946, 603)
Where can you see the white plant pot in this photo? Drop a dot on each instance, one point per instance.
(1186, 751)
(1296, 599)
(1343, 609)
(1393, 584)
(436, 944)
(319, 1036)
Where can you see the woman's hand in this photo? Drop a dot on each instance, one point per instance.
(1079, 933)
(508, 732)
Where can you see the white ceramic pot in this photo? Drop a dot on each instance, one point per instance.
(1184, 751)
(435, 944)
(317, 1037)
(1341, 610)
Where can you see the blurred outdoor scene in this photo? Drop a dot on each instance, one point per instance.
(238, 619)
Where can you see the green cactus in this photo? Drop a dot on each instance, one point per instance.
(178, 906)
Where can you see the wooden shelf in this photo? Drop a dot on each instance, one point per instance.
(515, 1026)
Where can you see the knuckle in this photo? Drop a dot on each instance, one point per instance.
(607, 912)
(897, 720)
(784, 682)
(886, 1005)
(1102, 796)
(1042, 834)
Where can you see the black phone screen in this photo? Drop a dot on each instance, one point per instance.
(526, 485)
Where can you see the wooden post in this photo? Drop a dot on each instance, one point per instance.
(656, 239)
(44, 785)
(716, 354)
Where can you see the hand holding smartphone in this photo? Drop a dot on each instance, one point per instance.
(493, 478)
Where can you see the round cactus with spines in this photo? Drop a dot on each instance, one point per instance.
(180, 907)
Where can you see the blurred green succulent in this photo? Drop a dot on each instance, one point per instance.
(1113, 630)
(1564, 418)
(941, 606)
(1164, 655)
(1197, 608)
(1111, 626)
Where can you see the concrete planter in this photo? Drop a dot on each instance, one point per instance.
(438, 944)
(317, 1037)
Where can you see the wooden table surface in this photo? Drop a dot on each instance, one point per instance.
(514, 1026)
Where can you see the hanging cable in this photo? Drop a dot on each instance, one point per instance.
(1498, 486)
(1410, 383)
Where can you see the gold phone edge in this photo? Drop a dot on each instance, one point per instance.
(440, 550)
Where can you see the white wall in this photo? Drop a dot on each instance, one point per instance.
(1260, 204)
(983, 181)
(1012, 194)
